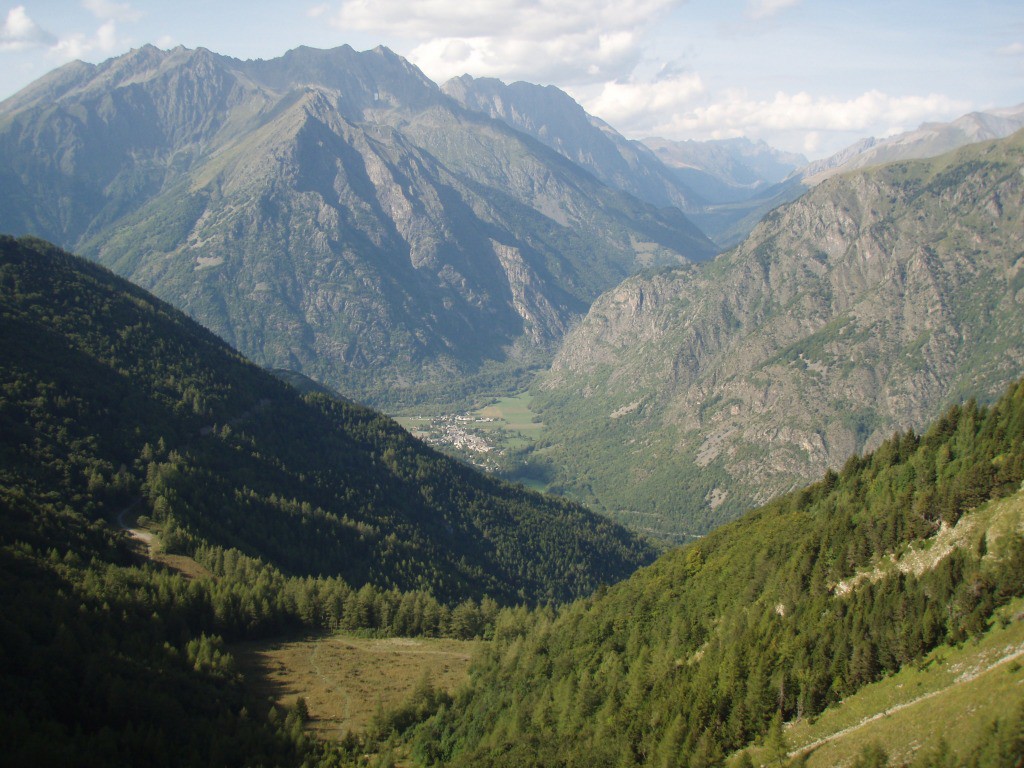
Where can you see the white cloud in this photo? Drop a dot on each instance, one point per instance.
(763, 9)
(79, 46)
(623, 104)
(794, 121)
(1013, 49)
(107, 10)
(19, 32)
(573, 41)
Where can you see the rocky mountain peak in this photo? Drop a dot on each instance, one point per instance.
(329, 211)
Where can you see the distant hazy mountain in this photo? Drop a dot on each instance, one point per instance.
(864, 307)
(726, 171)
(930, 140)
(739, 179)
(330, 212)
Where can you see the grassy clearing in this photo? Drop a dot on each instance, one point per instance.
(346, 679)
(145, 536)
(513, 414)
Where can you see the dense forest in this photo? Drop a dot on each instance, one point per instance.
(718, 643)
(309, 513)
(109, 394)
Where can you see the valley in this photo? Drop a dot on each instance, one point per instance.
(496, 437)
(350, 419)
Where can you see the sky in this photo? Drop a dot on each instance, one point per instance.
(808, 76)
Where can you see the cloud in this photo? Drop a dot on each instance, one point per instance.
(78, 46)
(681, 108)
(763, 9)
(19, 32)
(107, 10)
(1013, 49)
(574, 41)
(625, 104)
(802, 111)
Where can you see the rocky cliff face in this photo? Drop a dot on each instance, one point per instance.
(865, 307)
(329, 211)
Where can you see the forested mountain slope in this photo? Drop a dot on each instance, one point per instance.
(305, 513)
(689, 395)
(330, 212)
(763, 620)
(109, 393)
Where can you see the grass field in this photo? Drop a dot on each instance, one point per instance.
(514, 414)
(954, 693)
(346, 679)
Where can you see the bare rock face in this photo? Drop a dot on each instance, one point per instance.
(329, 212)
(866, 307)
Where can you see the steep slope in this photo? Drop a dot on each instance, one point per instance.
(687, 396)
(723, 186)
(551, 116)
(108, 393)
(710, 649)
(331, 212)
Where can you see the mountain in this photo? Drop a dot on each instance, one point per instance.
(889, 566)
(740, 180)
(329, 212)
(726, 170)
(929, 140)
(728, 222)
(554, 118)
(723, 186)
(689, 395)
(108, 390)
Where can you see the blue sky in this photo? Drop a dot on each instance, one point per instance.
(804, 75)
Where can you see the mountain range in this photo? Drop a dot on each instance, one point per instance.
(351, 225)
(929, 140)
(330, 212)
(867, 306)
(718, 184)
